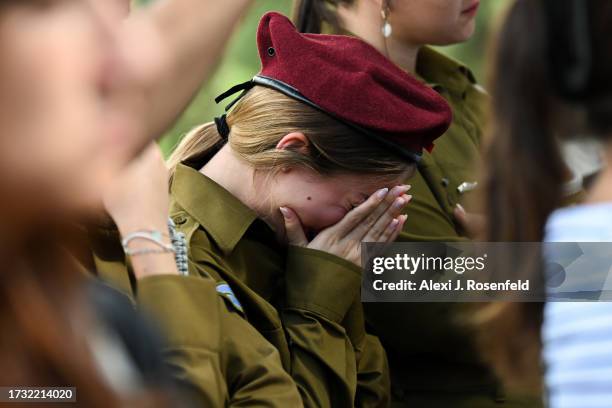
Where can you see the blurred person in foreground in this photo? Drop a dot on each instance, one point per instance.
(65, 132)
(551, 84)
(56, 328)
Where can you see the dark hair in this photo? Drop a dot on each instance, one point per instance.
(45, 316)
(580, 57)
(531, 110)
(311, 15)
(39, 291)
(525, 168)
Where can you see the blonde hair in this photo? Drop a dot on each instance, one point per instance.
(263, 116)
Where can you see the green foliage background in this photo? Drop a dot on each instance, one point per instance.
(241, 62)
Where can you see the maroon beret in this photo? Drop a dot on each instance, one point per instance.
(351, 81)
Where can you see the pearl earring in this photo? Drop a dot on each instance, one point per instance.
(387, 30)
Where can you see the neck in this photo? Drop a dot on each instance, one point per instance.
(363, 20)
(403, 54)
(602, 189)
(241, 180)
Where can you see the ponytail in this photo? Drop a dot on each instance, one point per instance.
(311, 16)
(306, 17)
(195, 146)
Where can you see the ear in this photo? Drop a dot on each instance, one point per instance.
(294, 141)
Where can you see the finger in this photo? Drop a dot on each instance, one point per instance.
(461, 215)
(472, 223)
(398, 229)
(357, 214)
(293, 228)
(374, 232)
(390, 200)
(389, 231)
(358, 221)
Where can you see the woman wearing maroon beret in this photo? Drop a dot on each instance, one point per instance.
(276, 196)
(426, 370)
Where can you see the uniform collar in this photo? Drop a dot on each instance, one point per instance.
(221, 214)
(439, 70)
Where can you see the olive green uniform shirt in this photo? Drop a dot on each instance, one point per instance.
(216, 357)
(434, 360)
(445, 175)
(305, 302)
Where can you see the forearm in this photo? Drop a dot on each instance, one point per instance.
(320, 292)
(193, 35)
(323, 362)
(154, 264)
(149, 258)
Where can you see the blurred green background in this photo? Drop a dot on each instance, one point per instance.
(241, 62)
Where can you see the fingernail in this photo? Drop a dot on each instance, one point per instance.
(399, 203)
(393, 224)
(399, 190)
(407, 186)
(408, 198)
(460, 207)
(382, 193)
(285, 212)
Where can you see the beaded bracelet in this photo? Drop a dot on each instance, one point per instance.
(180, 248)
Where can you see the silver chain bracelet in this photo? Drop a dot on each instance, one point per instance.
(153, 236)
(177, 245)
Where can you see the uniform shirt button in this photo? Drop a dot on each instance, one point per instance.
(178, 220)
(439, 89)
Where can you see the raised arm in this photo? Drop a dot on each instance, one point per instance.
(187, 38)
